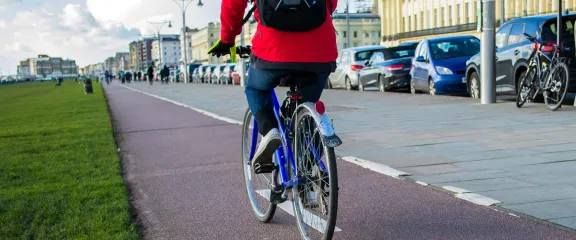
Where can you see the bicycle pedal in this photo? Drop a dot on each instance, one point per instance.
(276, 197)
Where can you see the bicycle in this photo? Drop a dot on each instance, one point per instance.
(301, 176)
(552, 80)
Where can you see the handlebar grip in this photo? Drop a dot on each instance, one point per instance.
(244, 52)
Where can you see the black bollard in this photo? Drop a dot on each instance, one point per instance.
(88, 87)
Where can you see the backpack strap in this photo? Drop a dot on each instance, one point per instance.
(248, 15)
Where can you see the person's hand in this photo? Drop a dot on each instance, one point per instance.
(221, 49)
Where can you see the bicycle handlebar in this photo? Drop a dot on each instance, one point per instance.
(244, 51)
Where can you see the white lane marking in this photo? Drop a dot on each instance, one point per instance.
(456, 189)
(477, 198)
(209, 114)
(422, 183)
(376, 167)
(312, 220)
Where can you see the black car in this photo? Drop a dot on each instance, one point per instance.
(388, 69)
(513, 50)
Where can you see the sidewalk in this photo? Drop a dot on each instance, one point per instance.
(524, 158)
(185, 177)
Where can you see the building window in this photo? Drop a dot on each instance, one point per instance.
(367, 34)
(450, 16)
(458, 6)
(373, 34)
(355, 44)
(355, 34)
(344, 34)
(345, 45)
(211, 35)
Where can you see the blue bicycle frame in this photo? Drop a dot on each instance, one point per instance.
(280, 154)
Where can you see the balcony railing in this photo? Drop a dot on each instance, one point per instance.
(432, 31)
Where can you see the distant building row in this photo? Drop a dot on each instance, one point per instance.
(112, 64)
(46, 66)
(149, 51)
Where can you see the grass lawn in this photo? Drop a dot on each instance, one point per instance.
(60, 176)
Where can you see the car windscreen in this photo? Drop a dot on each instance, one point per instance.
(399, 52)
(365, 55)
(232, 68)
(222, 68)
(453, 48)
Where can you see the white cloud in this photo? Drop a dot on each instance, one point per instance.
(72, 32)
(17, 47)
(91, 30)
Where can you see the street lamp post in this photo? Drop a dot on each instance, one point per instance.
(158, 26)
(183, 4)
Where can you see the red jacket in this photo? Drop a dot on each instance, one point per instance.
(315, 46)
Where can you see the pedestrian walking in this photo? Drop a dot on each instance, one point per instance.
(128, 77)
(166, 74)
(139, 76)
(150, 74)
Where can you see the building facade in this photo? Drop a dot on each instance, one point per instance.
(365, 29)
(133, 62)
(412, 20)
(46, 66)
(122, 61)
(170, 51)
(202, 40)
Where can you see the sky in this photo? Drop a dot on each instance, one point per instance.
(88, 31)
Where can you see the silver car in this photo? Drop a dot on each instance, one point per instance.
(348, 65)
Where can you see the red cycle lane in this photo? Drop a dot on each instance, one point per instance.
(186, 182)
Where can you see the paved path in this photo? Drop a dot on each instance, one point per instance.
(524, 158)
(184, 173)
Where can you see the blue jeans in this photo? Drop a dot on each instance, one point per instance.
(258, 86)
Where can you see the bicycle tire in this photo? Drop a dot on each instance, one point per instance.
(559, 66)
(325, 227)
(525, 82)
(262, 214)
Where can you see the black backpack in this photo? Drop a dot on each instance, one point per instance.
(291, 15)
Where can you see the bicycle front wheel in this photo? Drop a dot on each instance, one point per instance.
(258, 186)
(315, 197)
(556, 86)
(525, 87)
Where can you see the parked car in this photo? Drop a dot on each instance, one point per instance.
(348, 64)
(439, 64)
(513, 50)
(195, 75)
(191, 68)
(217, 71)
(226, 76)
(236, 73)
(207, 73)
(388, 69)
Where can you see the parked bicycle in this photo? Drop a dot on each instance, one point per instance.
(546, 75)
(305, 165)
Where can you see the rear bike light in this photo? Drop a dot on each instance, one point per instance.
(395, 67)
(356, 67)
(320, 108)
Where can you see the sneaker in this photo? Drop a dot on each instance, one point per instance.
(262, 161)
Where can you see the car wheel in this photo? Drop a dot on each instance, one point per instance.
(474, 86)
(348, 84)
(381, 85)
(328, 84)
(431, 87)
(413, 87)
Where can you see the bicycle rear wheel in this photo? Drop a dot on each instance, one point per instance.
(315, 197)
(258, 186)
(525, 87)
(557, 86)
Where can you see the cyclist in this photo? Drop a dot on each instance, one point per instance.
(276, 54)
